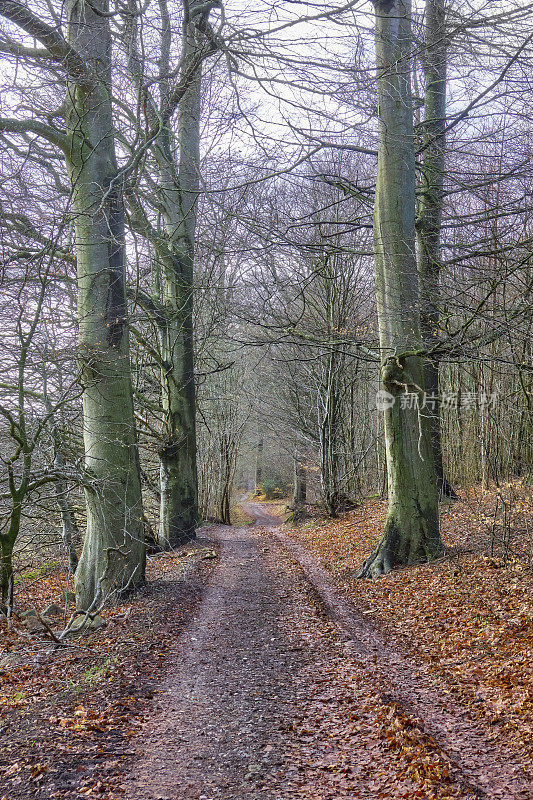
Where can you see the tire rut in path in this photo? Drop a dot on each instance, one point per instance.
(480, 764)
(247, 668)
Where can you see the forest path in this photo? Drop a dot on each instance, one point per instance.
(264, 698)
(231, 691)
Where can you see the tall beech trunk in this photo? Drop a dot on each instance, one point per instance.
(178, 469)
(179, 187)
(112, 559)
(429, 219)
(411, 531)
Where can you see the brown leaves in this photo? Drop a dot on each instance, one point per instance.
(468, 616)
(83, 720)
(63, 708)
(349, 741)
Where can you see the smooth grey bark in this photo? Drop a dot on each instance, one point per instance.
(429, 219)
(113, 556)
(411, 531)
(178, 163)
(179, 192)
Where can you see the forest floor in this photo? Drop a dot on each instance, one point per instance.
(270, 672)
(467, 618)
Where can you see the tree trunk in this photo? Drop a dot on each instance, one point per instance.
(300, 483)
(178, 470)
(113, 555)
(6, 573)
(179, 192)
(429, 220)
(7, 544)
(226, 480)
(259, 464)
(329, 465)
(411, 530)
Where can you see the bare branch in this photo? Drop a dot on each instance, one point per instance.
(52, 135)
(51, 38)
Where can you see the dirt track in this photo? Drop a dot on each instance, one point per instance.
(266, 698)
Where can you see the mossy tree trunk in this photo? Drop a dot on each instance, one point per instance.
(6, 574)
(178, 469)
(411, 531)
(429, 219)
(112, 559)
(177, 160)
(7, 545)
(179, 191)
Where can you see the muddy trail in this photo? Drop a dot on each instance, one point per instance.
(280, 689)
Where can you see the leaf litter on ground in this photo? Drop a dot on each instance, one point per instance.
(469, 615)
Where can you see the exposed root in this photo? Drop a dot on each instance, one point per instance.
(377, 564)
(395, 550)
